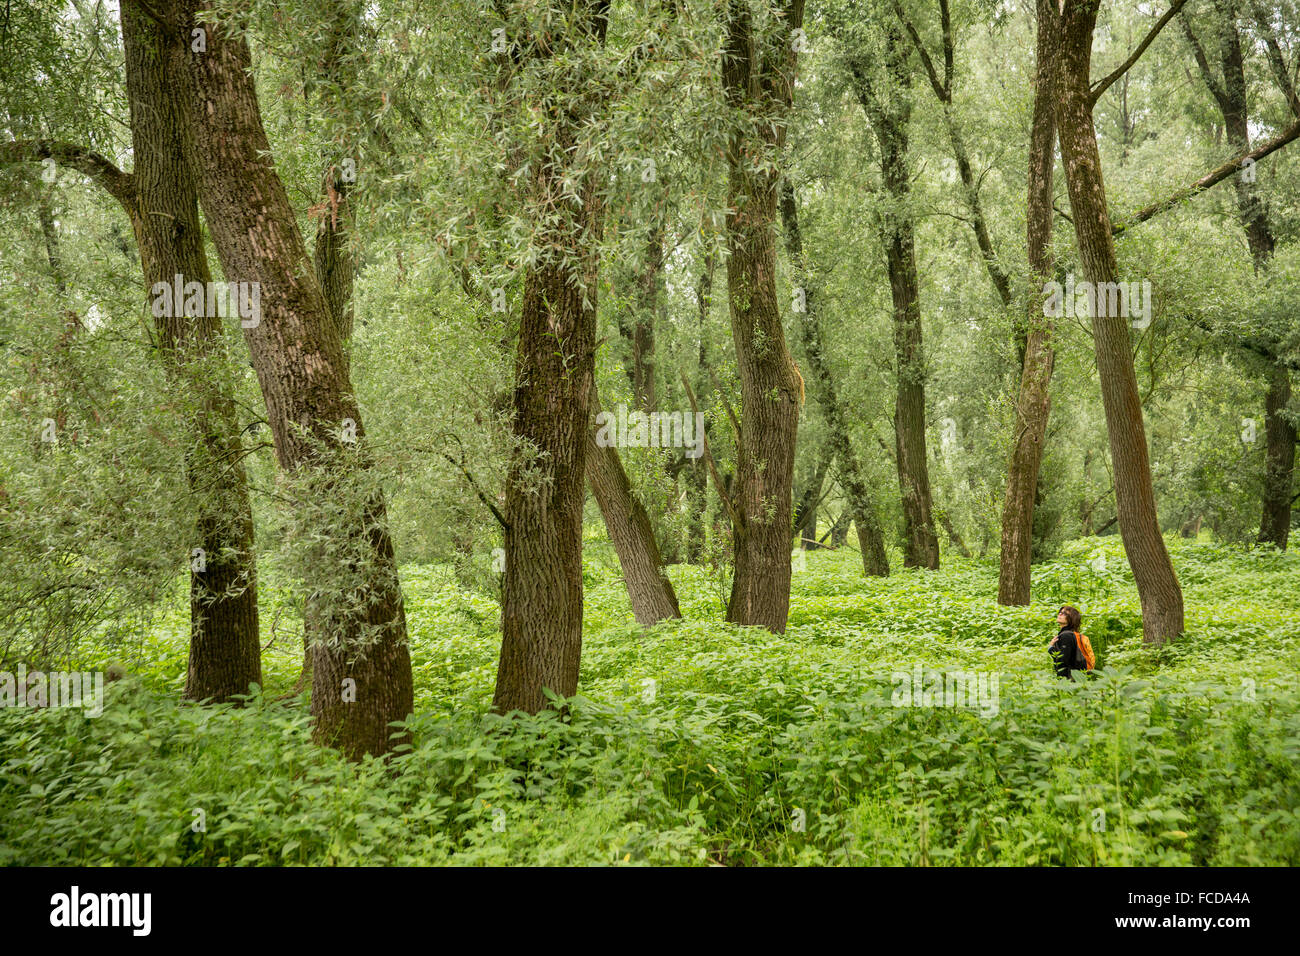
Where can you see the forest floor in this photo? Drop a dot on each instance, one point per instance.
(697, 742)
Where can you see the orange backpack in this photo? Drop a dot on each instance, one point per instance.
(1085, 650)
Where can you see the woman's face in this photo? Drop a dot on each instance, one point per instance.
(1061, 619)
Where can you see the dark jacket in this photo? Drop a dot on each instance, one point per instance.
(1065, 654)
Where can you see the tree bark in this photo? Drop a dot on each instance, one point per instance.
(361, 680)
(757, 80)
(875, 560)
(225, 653)
(1158, 588)
(541, 607)
(1033, 404)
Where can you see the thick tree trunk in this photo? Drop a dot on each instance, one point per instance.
(1158, 589)
(541, 604)
(225, 655)
(650, 590)
(1034, 402)
(757, 80)
(362, 674)
(542, 591)
(875, 560)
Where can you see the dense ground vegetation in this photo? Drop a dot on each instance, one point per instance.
(1192, 752)
(419, 401)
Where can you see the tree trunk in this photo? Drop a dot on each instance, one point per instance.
(541, 607)
(1229, 91)
(225, 654)
(1158, 589)
(640, 330)
(889, 117)
(1280, 438)
(650, 590)
(697, 475)
(542, 591)
(757, 79)
(1034, 402)
(362, 674)
(875, 560)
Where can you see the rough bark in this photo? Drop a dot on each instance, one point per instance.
(1158, 588)
(875, 560)
(542, 590)
(361, 680)
(1033, 405)
(757, 80)
(225, 654)
(541, 607)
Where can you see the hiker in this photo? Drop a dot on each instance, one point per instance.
(1070, 650)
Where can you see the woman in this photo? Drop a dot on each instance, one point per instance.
(1064, 648)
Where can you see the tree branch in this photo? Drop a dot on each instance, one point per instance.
(1101, 86)
(120, 185)
(1212, 178)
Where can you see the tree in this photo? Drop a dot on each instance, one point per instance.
(160, 201)
(875, 561)
(541, 607)
(361, 680)
(1227, 85)
(225, 651)
(758, 84)
(1158, 589)
(630, 530)
(886, 100)
(1034, 402)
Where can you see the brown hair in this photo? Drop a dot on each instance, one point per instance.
(1074, 620)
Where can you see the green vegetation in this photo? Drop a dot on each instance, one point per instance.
(740, 730)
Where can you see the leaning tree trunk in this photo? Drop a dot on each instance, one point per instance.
(1158, 589)
(757, 80)
(1034, 402)
(649, 589)
(225, 655)
(362, 674)
(871, 540)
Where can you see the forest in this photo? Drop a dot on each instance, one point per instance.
(649, 433)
